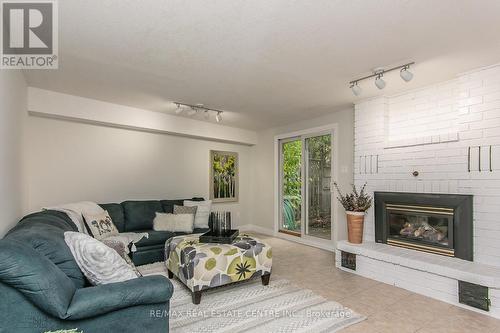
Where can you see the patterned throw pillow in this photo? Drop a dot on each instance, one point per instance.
(100, 226)
(119, 247)
(99, 263)
(185, 210)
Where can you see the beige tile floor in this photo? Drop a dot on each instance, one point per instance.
(388, 308)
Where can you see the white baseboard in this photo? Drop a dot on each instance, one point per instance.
(307, 241)
(256, 228)
(300, 240)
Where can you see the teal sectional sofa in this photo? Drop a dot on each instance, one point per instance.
(137, 216)
(42, 288)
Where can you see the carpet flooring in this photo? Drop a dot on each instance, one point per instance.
(251, 307)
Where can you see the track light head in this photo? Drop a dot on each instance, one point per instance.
(405, 74)
(218, 117)
(356, 90)
(379, 82)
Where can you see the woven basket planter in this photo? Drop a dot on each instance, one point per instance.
(355, 223)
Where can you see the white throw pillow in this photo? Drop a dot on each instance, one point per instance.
(100, 225)
(202, 213)
(174, 222)
(98, 262)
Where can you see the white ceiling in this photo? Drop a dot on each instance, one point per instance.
(267, 62)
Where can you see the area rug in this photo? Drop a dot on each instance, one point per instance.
(251, 307)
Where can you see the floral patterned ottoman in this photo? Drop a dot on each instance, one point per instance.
(202, 266)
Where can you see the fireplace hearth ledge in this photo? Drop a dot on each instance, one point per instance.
(431, 275)
(453, 268)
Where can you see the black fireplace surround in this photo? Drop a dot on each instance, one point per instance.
(435, 223)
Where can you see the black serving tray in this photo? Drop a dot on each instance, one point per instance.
(224, 238)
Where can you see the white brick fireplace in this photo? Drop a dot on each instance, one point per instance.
(449, 134)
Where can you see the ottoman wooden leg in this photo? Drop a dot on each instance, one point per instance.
(196, 296)
(170, 274)
(265, 279)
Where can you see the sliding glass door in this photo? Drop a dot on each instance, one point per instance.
(318, 171)
(305, 186)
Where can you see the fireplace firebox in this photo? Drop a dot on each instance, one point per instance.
(434, 223)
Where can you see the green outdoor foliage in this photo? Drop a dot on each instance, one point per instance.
(292, 160)
(292, 184)
(291, 207)
(355, 201)
(319, 154)
(224, 175)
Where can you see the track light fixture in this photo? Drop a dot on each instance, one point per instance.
(356, 90)
(198, 108)
(406, 74)
(379, 81)
(378, 74)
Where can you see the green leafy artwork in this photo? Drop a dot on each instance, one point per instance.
(224, 176)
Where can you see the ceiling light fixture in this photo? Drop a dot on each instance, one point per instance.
(356, 90)
(195, 109)
(378, 74)
(406, 74)
(379, 81)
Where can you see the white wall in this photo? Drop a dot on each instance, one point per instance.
(429, 131)
(71, 161)
(72, 157)
(12, 112)
(264, 166)
(63, 106)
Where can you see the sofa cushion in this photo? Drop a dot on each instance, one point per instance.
(44, 233)
(155, 238)
(116, 212)
(48, 217)
(139, 215)
(36, 277)
(168, 205)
